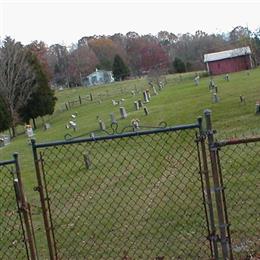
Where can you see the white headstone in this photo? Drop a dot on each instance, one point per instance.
(123, 112)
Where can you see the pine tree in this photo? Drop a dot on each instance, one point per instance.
(179, 65)
(42, 101)
(5, 118)
(120, 69)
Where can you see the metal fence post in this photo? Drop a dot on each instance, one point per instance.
(25, 209)
(205, 173)
(217, 186)
(40, 189)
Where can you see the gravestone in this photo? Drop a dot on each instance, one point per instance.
(257, 107)
(211, 84)
(146, 112)
(87, 159)
(148, 94)
(102, 126)
(135, 124)
(112, 118)
(136, 105)
(226, 77)
(197, 80)
(140, 103)
(4, 140)
(146, 100)
(46, 126)
(215, 98)
(155, 91)
(73, 125)
(242, 99)
(123, 113)
(160, 85)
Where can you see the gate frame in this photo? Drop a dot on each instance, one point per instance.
(202, 168)
(24, 209)
(219, 190)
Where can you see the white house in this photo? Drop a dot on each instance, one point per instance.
(98, 77)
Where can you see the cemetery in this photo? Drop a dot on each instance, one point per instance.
(234, 101)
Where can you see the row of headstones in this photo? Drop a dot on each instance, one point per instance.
(137, 104)
(213, 88)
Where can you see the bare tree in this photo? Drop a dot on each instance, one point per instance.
(16, 78)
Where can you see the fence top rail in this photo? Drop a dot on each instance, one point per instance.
(7, 162)
(235, 141)
(117, 136)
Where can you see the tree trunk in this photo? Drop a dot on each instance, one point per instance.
(13, 131)
(34, 123)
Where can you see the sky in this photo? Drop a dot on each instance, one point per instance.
(66, 21)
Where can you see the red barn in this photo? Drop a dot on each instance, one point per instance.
(228, 61)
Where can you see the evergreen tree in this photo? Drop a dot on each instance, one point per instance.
(179, 65)
(42, 101)
(120, 69)
(5, 118)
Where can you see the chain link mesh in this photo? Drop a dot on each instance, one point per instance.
(137, 197)
(12, 239)
(240, 171)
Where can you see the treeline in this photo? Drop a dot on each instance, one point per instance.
(141, 54)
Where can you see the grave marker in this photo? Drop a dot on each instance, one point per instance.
(136, 105)
(242, 99)
(257, 107)
(112, 118)
(123, 112)
(102, 126)
(140, 103)
(146, 100)
(146, 112)
(215, 98)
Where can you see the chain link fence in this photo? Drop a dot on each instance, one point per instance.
(239, 162)
(16, 240)
(165, 193)
(125, 197)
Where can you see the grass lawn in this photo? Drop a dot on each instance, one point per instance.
(180, 102)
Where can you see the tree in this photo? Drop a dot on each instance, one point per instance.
(42, 101)
(153, 57)
(16, 78)
(105, 50)
(5, 119)
(82, 61)
(120, 70)
(179, 65)
(57, 57)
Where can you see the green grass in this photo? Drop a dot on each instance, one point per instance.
(180, 102)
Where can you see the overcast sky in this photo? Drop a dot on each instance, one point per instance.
(67, 21)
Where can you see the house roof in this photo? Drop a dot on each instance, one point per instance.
(227, 54)
(97, 71)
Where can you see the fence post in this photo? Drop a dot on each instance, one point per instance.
(40, 189)
(80, 100)
(25, 209)
(205, 174)
(217, 189)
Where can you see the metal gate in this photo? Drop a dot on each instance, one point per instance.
(238, 163)
(138, 195)
(17, 236)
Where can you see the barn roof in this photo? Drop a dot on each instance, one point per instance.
(227, 54)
